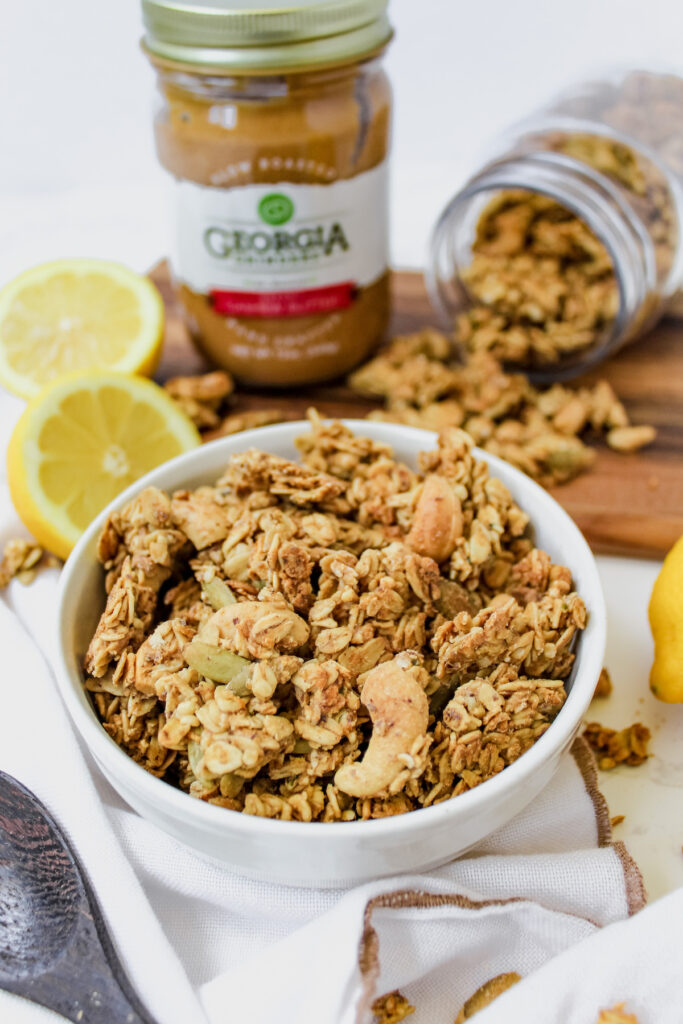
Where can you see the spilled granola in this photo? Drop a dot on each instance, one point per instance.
(391, 1008)
(537, 431)
(604, 685)
(486, 994)
(613, 747)
(205, 399)
(616, 1015)
(202, 397)
(334, 639)
(23, 559)
(235, 422)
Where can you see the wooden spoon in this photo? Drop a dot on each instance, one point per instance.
(54, 946)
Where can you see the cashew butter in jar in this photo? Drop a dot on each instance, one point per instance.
(274, 122)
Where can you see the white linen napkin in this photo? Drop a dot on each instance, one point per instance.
(548, 895)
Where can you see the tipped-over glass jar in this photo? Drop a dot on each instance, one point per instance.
(567, 245)
(274, 121)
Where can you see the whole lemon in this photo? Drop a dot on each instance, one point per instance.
(666, 623)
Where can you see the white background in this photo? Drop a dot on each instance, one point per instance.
(78, 177)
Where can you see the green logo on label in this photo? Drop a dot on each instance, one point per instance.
(275, 209)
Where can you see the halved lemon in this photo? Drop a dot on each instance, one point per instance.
(80, 442)
(74, 315)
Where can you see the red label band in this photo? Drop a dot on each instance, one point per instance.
(276, 304)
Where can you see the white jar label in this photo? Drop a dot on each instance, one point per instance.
(283, 249)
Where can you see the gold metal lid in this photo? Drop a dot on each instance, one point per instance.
(264, 35)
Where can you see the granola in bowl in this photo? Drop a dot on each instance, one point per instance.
(341, 638)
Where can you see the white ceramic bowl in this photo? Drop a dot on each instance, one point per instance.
(329, 854)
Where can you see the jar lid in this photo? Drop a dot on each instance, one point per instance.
(264, 35)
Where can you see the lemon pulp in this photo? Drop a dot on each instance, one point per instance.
(73, 315)
(82, 441)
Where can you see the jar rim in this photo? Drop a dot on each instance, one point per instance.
(272, 36)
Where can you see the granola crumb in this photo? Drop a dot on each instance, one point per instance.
(391, 1008)
(22, 558)
(486, 994)
(613, 747)
(603, 686)
(653, 482)
(630, 439)
(617, 820)
(616, 1015)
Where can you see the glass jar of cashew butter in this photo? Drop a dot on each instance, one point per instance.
(274, 122)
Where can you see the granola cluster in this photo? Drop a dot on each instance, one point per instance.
(604, 685)
(640, 179)
(644, 107)
(23, 559)
(391, 1008)
(205, 399)
(394, 1007)
(543, 286)
(537, 431)
(334, 639)
(647, 107)
(613, 747)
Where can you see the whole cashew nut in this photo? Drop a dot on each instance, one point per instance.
(255, 629)
(437, 522)
(399, 712)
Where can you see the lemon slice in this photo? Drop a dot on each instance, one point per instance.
(80, 442)
(77, 315)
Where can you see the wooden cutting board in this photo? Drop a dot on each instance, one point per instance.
(627, 504)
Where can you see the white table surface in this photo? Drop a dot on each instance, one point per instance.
(78, 177)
